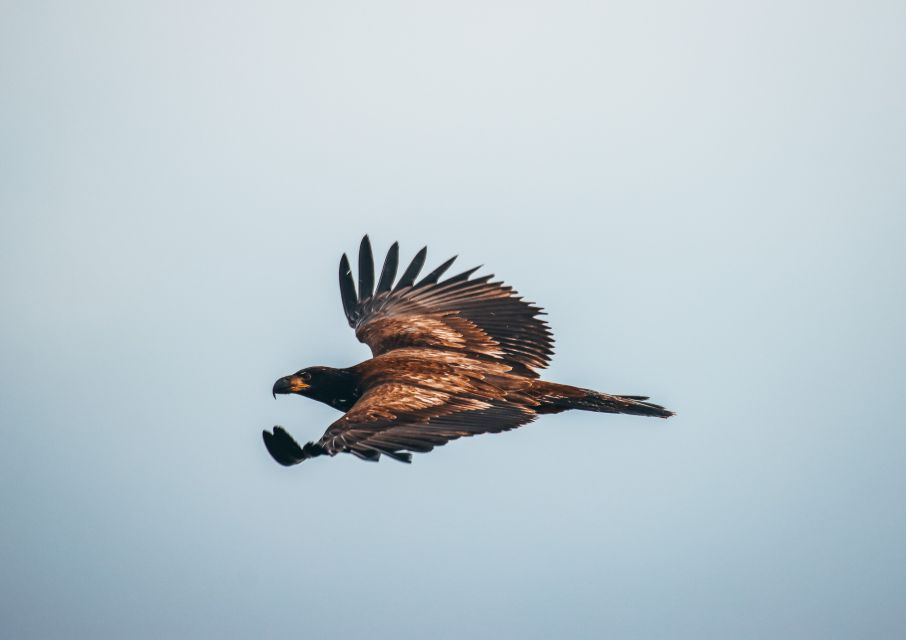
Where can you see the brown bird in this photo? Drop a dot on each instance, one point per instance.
(452, 358)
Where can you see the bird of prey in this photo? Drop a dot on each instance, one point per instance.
(451, 358)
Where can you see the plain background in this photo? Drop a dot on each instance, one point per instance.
(707, 197)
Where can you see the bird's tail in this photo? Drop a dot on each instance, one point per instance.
(561, 397)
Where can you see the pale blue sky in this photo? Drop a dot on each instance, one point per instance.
(708, 198)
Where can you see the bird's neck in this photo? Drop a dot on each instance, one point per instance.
(340, 389)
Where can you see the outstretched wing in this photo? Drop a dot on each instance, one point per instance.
(397, 419)
(471, 315)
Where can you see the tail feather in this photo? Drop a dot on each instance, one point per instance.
(558, 397)
(618, 404)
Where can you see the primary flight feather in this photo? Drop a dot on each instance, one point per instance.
(451, 358)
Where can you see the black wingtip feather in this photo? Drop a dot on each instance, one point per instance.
(347, 290)
(366, 270)
(462, 276)
(398, 456)
(388, 272)
(369, 455)
(412, 271)
(435, 275)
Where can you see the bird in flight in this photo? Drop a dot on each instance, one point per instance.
(451, 358)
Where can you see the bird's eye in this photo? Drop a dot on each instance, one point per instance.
(306, 376)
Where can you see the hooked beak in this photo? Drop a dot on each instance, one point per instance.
(289, 384)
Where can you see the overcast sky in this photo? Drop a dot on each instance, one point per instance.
(707, 197)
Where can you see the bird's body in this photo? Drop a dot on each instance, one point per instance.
(451, 358)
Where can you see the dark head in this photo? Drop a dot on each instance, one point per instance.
(336, 387)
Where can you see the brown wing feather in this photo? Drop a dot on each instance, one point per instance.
(472, 316)
(418, 399)
(396, 419)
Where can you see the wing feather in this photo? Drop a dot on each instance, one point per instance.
(435, 275)
(351, 305)
(388, 273)
(396, 419)
(472, 315)
(366, 270)
(412, 271)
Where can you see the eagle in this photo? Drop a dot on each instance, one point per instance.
(451, 358)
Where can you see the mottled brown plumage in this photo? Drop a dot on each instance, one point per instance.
(451, 358)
